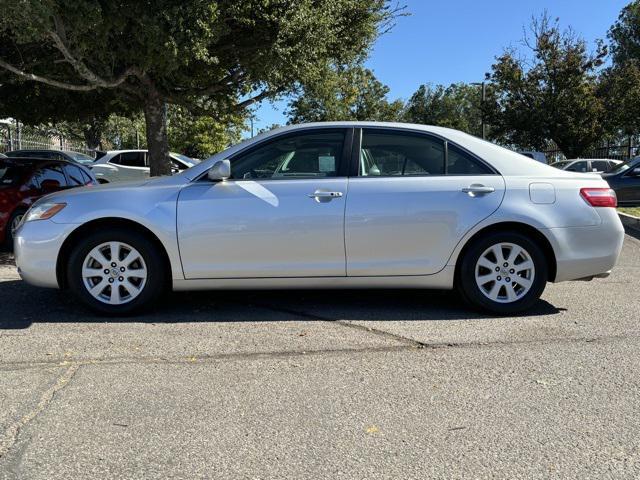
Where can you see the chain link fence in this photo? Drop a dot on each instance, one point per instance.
(13, 138)
(614, 152)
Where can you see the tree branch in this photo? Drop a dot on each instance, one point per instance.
(79, 66)
(261, 96)
(47, 81)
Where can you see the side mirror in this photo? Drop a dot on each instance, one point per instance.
(220, 171)
(48, 186)
(636, 172)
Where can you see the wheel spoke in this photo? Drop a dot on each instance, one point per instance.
(527, 265)
(513, 254)
(131, 257)
(136, 273)
(495, 290)
(130, 287)
(486, 263)
(114, 248)
(115, 294)
(98, 288)
(484, 279)
(523, 282)
(88, 272)
(99, 257)
(497, 251)
(511, 293)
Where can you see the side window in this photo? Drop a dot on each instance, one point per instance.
(305, 155)
(578, 167)
(74, 174)
(600, 165)
(129, 159)
(50, 172)
(461, 163)
(389, 153)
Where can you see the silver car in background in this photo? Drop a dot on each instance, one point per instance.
(131, 165)
(330, 205)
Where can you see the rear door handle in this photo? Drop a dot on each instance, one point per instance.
(477, 189)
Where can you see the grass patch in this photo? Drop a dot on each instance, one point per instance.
(635, 211)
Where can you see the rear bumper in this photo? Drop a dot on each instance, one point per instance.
(36, 248)
(583, 253)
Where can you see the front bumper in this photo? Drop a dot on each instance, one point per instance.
(36, 248)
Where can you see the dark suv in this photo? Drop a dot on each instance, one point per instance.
(68, 155)
(24, 180)
(625, 180)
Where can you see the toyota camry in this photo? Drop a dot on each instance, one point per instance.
(330, 205)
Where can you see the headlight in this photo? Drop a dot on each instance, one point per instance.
(43, 211)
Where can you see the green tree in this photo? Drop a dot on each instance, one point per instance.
(231, 52)
(202, 136)
(551, 95)
(620, 85)
(456, 106)
(346, 93)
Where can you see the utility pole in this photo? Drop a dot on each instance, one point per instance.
(483, 99)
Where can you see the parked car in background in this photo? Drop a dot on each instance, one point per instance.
(68, 155)
(625, 180)
(2, 155)
(24, 180)
(597, 165)
(537, 156)
(123, 165)
(330, 205)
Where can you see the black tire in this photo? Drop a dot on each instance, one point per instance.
(471, 292)
(156, 280)
(8, 236)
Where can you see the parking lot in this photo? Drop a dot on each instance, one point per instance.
(325, 384)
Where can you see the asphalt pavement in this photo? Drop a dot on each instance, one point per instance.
(323, 384)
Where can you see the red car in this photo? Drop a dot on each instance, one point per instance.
(24, 180)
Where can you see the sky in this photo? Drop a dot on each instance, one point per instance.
(457, 40)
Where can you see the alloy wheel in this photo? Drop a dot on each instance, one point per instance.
(505, 272)
(114, 273)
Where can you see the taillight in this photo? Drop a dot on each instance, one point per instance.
(599, 197)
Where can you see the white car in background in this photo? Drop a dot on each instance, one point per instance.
(123, 165)
(595, 165)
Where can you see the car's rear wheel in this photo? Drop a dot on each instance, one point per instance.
(503, 273)
(12, 226)
(116, 272)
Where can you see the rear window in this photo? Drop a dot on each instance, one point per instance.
(11, 174)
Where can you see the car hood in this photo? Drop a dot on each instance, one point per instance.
(113, 190)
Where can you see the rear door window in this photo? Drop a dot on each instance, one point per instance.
(50, 172)
(74, 174)
(129, 159)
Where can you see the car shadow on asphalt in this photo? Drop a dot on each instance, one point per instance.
(23, 305)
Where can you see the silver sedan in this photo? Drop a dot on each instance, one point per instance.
(330, 205)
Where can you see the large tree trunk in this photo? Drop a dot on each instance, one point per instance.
(92, 133)
(157, 143)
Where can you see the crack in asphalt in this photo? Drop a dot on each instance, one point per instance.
(10, 435)
(252, 356)
(347, 324)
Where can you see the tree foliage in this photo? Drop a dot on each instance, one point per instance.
(620, 85)
(232, 53)
(346, 93)
(456, 106)
(552, 95)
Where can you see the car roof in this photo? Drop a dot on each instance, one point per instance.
(34, 160)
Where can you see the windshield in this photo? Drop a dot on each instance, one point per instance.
(12, 173)
(184, 159)
(623, 167)
(81, 157)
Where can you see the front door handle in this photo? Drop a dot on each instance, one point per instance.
(323, 196)
(478, 189)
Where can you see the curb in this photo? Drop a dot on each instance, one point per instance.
(630, 222)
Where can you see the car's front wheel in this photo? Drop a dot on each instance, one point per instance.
(116, 272)
(503, 273)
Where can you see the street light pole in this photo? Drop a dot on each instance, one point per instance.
(483, 100)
